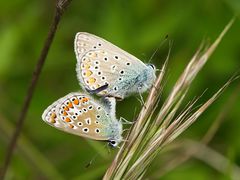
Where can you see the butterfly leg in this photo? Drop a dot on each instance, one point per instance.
(124, 121)
(125, 130)
(141, 99)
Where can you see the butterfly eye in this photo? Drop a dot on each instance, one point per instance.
(152, 66)
(112, 143)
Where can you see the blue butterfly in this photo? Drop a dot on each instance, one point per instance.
(106, 70)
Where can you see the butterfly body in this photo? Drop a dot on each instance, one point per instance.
(80, 114)
(100, 63)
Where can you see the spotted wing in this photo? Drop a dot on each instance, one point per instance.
(79, 114)
(99, 62)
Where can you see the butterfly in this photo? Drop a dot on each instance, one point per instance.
(106, 70)
(79, 114)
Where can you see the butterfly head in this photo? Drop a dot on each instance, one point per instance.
(146, 78)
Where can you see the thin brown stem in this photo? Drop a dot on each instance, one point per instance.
(61, 5)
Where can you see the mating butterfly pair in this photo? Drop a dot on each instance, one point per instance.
(105, 70)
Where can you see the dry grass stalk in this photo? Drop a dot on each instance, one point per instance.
(151, 133)
(182, 156)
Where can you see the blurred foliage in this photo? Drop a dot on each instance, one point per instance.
(137, 26)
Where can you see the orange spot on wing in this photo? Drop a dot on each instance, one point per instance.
(53, 115)
(67, 120)
(85, 65)
(65, 113)
(66, 108)
(53, 121)
(85, 99)
(88, 73)
(70, 105)
(92, 80)
(76, 102)
(71, 126)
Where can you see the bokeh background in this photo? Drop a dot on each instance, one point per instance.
(139, 27)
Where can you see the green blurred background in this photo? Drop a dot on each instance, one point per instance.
(139, 27)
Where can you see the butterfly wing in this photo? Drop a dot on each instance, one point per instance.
(78, 114)
(99, 63)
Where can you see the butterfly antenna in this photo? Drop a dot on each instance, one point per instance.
(157, 49)
(170, 44)
(124, 121)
